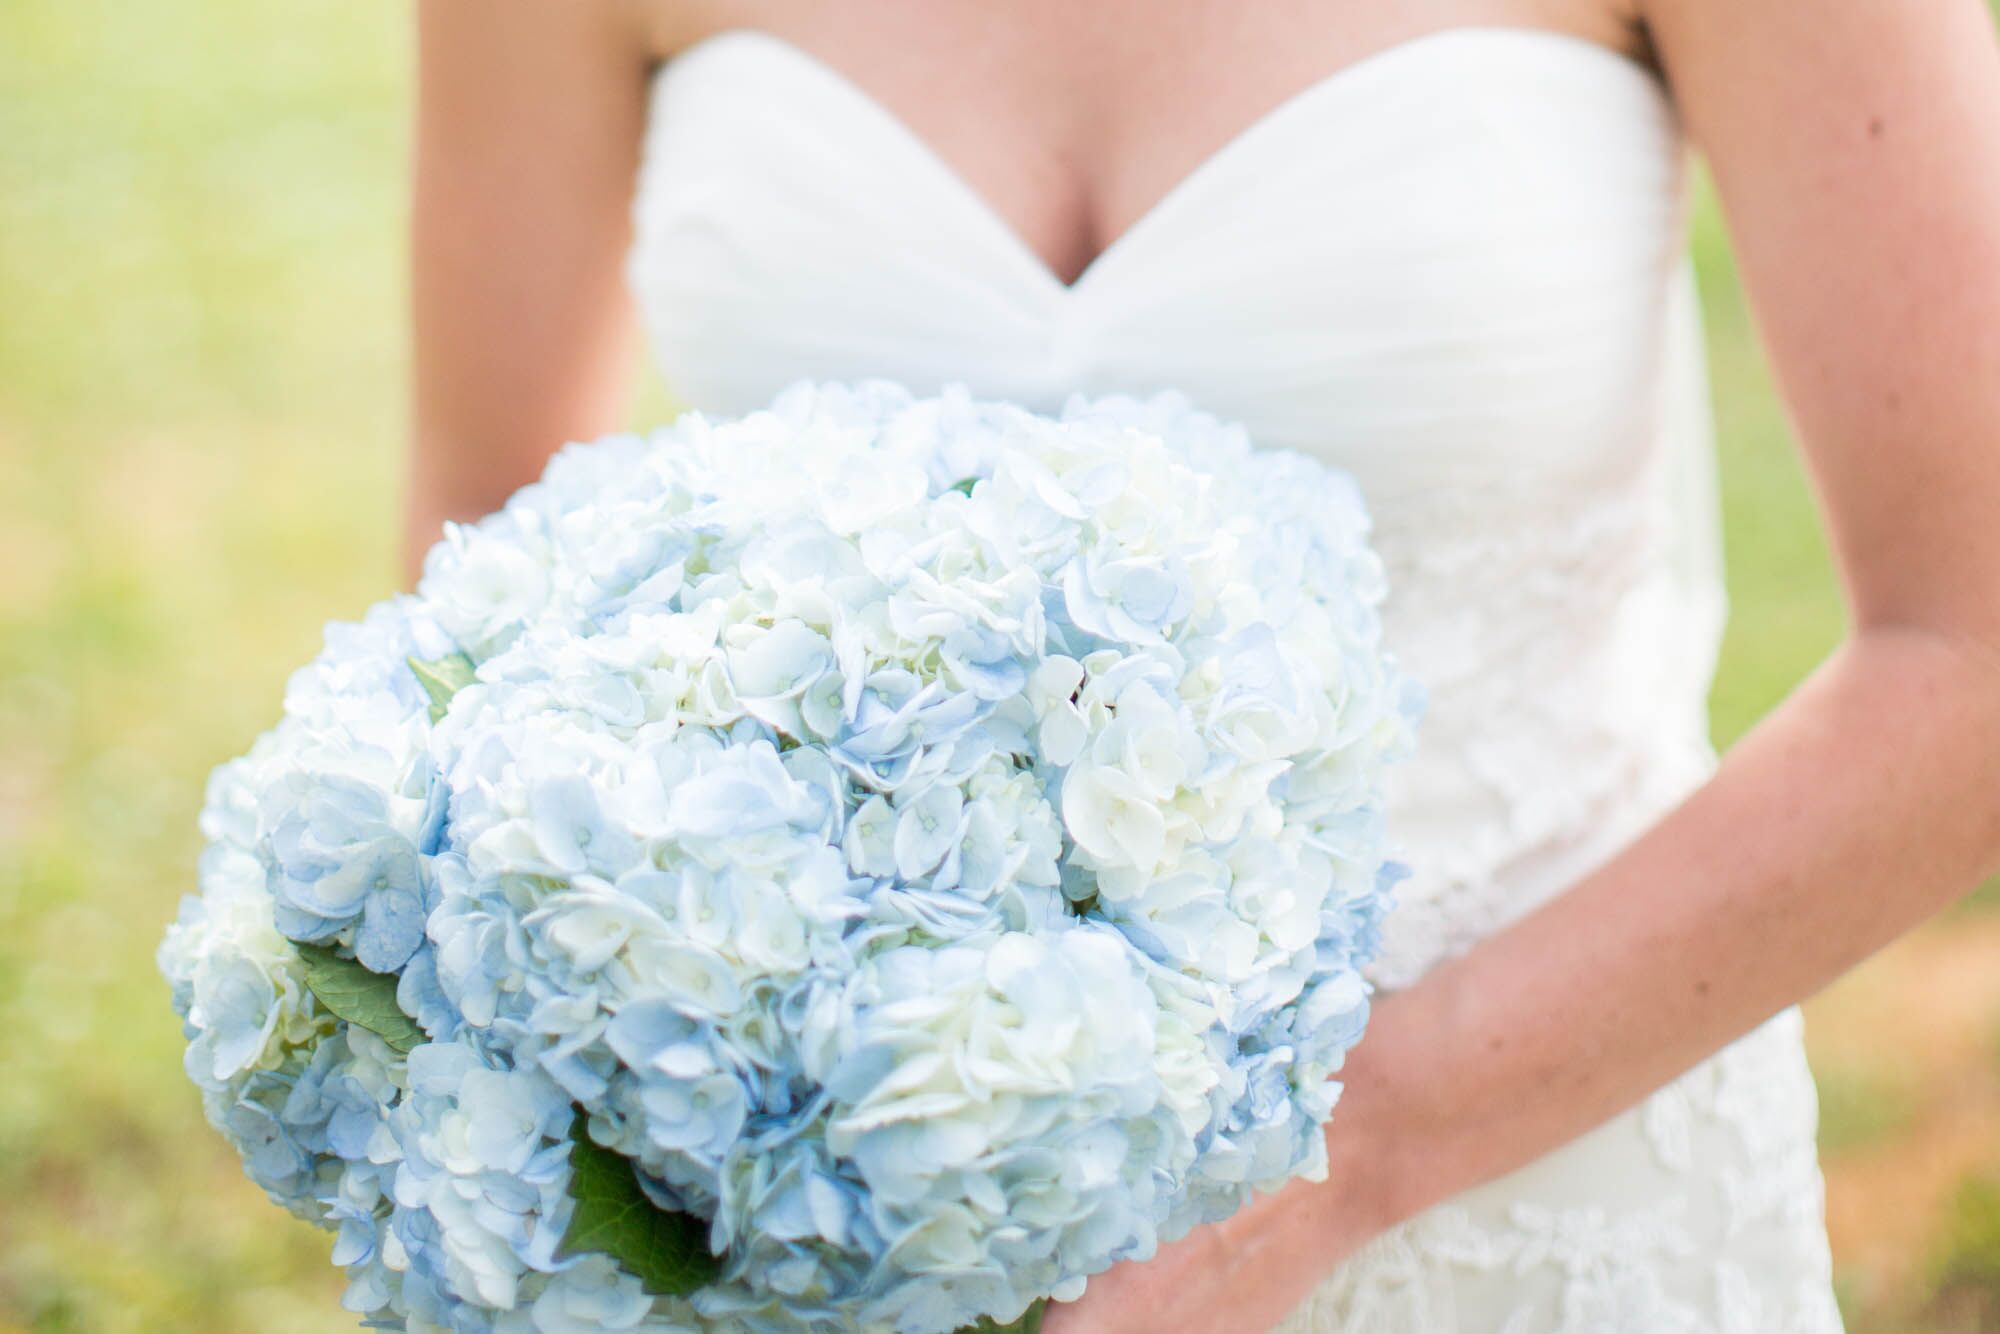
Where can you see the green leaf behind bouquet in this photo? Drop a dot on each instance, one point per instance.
(442, 678)
(362, 997)
(666, 1251)
(1029, 1323)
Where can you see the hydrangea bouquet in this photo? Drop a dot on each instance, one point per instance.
(869, 864)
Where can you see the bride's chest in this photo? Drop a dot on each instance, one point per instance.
(1071, 121)
(1459, 248)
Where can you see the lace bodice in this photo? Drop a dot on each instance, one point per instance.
(1456, 269)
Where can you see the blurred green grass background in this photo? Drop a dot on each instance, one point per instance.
(202, 354)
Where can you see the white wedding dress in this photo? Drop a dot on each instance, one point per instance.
(1458, 270)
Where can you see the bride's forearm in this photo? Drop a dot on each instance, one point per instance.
(1865, 803)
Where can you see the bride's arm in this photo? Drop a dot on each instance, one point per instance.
(1856, 147)
(529, 116)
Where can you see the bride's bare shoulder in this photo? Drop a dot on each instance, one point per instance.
(504, 35)
(665, 28)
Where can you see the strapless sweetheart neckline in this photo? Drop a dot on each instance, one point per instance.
(1350, 79)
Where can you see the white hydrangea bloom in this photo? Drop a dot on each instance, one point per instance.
(935, 843)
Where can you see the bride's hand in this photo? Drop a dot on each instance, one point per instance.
(1245, 1273)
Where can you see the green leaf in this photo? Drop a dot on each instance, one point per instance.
(361, 996)
(666, 1251)
(1029, 1323)
(964, 485)
(442, 678)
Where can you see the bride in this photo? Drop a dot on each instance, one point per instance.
(1440, 244)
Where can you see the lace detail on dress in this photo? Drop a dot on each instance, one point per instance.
(1609, 1236)
(1547, 640)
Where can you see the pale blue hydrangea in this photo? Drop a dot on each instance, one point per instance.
(937, 844)
(348, 808)
(482, 1173)
(252, 1025)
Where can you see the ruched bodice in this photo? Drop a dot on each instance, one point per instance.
(1456, 269)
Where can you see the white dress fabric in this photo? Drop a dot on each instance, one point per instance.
(1458, 270)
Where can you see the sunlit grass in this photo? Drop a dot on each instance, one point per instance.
(200, 373)
(201, 362)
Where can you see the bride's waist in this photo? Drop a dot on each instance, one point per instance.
(1491, 827)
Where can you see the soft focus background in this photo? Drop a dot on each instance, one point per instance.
(201, 376)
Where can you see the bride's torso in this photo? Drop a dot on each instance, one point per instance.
(1455, 268)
